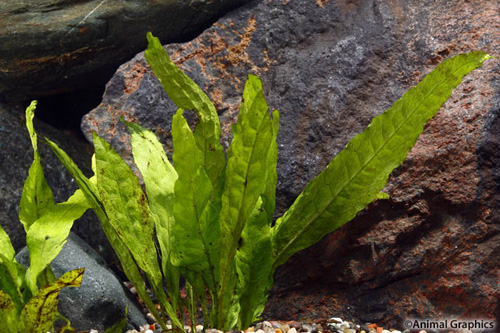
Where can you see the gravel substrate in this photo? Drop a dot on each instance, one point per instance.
(332, 325)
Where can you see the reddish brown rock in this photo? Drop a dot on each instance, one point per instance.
(432, 250)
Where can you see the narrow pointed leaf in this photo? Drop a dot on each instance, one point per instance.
(37, 196)
(6, 248)
(245, 178)
(187, 95)
(358, 173)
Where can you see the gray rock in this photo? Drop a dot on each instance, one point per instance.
(53, 46)
(100, 301)
(330, 67)
(16, 156)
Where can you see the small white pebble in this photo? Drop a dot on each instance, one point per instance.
(386, 331)
(292, 330)
(349, 330)
(199, 328)
(94, 331)
(345, 325)
(260, 331)
(396, 331)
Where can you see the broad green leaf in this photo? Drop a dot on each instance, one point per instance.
(159, 179)
(125, 204)
(49, 233)
(254, 256)
(254, 266)
(8, 314)
(245, 180)
(38, 315)
(88, 187)
(358, 173)
(193, 189)
(187, 95)
(37, 196)
(128, 213)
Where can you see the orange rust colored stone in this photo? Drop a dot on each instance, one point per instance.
(321, 3)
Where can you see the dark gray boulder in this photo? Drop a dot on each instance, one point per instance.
(16, 156)
(431, 251)
(100, 301)
(49, 47)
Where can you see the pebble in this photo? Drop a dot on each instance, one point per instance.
(285, 328)
(334, 325)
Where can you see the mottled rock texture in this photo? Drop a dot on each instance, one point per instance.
(16, 156)
(432, 250)
(49, 47)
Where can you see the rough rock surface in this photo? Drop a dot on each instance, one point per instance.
(54, 46)
(431, 251)
(16, 156)
(100, 301)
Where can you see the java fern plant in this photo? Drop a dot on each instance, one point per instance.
(213, 216)
(29, 297)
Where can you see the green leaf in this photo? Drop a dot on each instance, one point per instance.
(187, 95)
(382, 196)
(49, 233)
(125, 204)
(254, 256)
(128, 213)
(129, 266)
(192, 192)
(8, 314)
(38, 315)
(6, 248)
(11, 273)
(245, 180)
(37, 196)
(358, 173)
(12, 280)
(159, 179)
(254, 266)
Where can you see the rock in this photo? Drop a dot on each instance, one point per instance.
(16, 156)
(330, 67)
(50, 47)
(100, 301)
